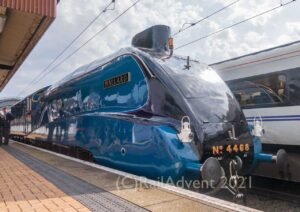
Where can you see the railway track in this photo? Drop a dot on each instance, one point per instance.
(268, 195)
(276, 189)
(277, 195)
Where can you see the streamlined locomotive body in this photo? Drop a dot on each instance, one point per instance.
(144, 112)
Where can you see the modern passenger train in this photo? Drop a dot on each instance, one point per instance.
(148, 112)
(267, 86)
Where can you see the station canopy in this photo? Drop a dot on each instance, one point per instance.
(22, 24)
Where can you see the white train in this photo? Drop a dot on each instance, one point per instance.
(267, 85)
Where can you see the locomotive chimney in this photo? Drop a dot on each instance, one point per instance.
(155, 39)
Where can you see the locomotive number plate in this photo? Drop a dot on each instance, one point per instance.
(230, 149)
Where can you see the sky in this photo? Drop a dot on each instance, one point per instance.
(273, 29)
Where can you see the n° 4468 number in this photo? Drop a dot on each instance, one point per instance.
(238, 148)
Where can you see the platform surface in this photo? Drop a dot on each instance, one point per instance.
(22, 189)
(34, 180)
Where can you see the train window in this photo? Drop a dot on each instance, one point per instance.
(259, 91)
(36, 97)
(18, 110)
(294, 86)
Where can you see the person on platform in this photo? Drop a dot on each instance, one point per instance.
(6, 127)
(2, 120)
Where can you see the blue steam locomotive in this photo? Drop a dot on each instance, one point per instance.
(145, 111)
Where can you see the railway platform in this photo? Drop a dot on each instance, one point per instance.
(34, 179)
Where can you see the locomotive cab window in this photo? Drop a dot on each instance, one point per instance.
(262, 91)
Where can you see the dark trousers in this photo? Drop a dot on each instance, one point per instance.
(1, 135)
(6, 133)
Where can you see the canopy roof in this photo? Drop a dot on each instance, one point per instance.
(22, 24)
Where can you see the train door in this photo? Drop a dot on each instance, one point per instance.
(18, 124)
(28, 110)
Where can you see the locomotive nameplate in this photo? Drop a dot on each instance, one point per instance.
(118, 80)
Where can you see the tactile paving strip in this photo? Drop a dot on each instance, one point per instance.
(94, 198)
